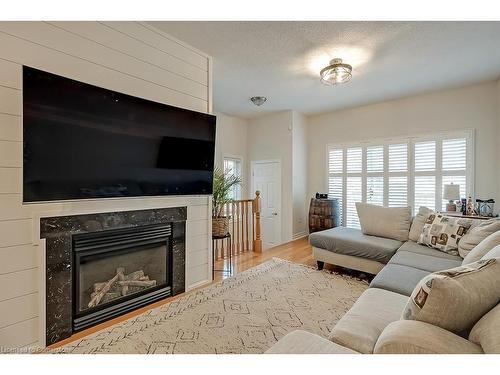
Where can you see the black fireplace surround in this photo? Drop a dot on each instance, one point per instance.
(140, 254)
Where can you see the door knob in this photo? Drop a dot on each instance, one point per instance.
(275, 214)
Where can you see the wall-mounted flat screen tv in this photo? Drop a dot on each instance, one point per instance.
(82, 141)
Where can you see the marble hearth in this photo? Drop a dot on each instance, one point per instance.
(59, 233)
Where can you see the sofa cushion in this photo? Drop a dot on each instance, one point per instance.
(349, 241)
(302, 342)
(418, 223)
(414, 247)
(413, 337)
(387, 222)
(424, 262)
(486, 332)
(484, 247)
(444, 232)
(457, 298)
(399, 279)
(361, 326)
(476, 234)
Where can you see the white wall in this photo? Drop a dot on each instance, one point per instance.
(299, 170)
(270, 137)
(468, 107)
(129, 57)
(232, 142)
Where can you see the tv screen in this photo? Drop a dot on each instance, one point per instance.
(83, 141)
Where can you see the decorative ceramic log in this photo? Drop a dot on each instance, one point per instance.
(99, 295)
(145, 283)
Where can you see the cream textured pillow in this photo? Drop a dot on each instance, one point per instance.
(444, 232)
(476, 235)
(389, 222)
(486, 332)
(457, 298)
(482, 248)
(418, 223)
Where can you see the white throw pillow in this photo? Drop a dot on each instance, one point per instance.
(444, 232)
(418, 223)
(482, 248)
(476, 234)
(388, 222)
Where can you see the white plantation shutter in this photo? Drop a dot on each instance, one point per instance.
(335, 190)
(398, 191)
(354, 160)
(353, 195)
(398, 157)
(454, 154)
(425, 192)
(405, 172)
(425, 156)
(375, 159)
(336, 161)
(375, 190)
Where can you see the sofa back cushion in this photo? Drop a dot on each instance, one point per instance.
(457, 298)
(476, 234)
(483, 248)
(418, 223)
(444, 232)
(486, 332)
(388, 222)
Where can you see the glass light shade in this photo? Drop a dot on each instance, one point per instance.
(335, 73)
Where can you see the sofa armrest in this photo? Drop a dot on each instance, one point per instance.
(415, 337)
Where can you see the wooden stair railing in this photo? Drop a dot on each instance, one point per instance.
(244, 226)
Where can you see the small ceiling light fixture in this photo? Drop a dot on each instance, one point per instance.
(258, 100)
(335, 73)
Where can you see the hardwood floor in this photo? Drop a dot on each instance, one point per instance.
(298, 251)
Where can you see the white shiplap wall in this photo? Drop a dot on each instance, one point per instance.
(129, 57)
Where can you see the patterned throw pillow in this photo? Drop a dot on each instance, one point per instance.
(444, 232)
(457, 298)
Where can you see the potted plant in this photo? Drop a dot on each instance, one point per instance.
(223, 183)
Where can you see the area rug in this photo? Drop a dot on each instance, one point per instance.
(246, 313)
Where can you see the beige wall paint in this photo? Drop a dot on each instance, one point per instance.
(468, 107)
(128, 57)
(299, 170)
(270, 137)
(232, 142)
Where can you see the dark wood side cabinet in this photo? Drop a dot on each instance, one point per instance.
(323, 214)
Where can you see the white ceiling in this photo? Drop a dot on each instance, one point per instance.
(281, 60)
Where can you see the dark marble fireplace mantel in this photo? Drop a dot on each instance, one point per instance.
(58, 232)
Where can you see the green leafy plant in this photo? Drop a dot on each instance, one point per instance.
(223, 183)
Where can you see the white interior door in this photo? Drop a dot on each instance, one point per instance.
(266, 177)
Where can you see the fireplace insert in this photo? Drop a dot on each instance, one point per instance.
(116, 271)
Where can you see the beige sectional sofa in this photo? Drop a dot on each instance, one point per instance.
(375, 323)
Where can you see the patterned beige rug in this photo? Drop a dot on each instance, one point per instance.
(246, 313)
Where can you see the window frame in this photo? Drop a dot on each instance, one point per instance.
(238, 159)
(468, 134)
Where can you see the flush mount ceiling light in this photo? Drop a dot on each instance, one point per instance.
(258, 100)
(335, 73)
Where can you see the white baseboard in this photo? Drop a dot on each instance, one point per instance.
(298, 235)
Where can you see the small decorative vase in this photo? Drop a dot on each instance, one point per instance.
(220, 226)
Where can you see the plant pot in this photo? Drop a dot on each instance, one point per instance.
(220, 226)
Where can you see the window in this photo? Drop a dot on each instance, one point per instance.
(399, 172)
(233, 166)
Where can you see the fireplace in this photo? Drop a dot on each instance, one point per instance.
(99, 266)
(116, 271)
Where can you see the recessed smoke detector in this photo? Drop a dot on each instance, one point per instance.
(258, 100)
